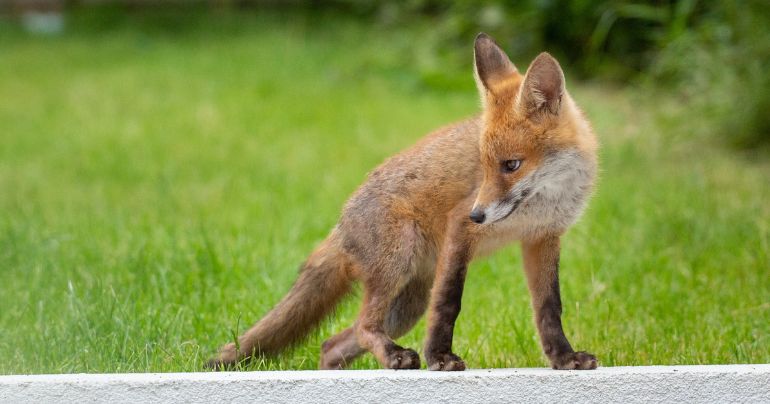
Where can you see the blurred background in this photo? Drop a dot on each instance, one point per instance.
(166, 165)
(712, 54)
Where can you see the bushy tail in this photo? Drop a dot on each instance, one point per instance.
(323, 280)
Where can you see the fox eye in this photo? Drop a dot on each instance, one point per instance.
(510, 166)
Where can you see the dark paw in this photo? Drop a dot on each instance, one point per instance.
(225, 360)
(403, 358)
(575, 360)
(445, 362)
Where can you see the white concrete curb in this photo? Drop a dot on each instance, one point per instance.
(690, 384)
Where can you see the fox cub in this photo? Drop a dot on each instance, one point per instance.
(521, 171)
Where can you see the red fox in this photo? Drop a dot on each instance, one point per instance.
(521, 171)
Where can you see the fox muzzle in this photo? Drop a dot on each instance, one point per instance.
(477, 215)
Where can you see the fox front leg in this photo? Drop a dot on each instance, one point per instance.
(541, 264)
(445, 304)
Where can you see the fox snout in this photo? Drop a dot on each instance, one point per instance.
(489, 214)
(498, 210)
(478, 216)
(494, 212)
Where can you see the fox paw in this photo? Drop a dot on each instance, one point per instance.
(575, 360)
(226, 359)
(403, 358)
(445, 362)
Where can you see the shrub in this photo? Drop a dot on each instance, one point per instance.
(719, 67)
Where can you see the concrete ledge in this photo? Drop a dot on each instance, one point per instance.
(691, 384)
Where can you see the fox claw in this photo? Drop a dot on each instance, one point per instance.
(446, 362)
(575, 360)
(404, 359)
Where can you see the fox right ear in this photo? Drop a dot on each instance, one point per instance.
(491, 66)
(543, 86)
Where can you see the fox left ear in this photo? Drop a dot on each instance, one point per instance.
(491, 64)
(543, 86)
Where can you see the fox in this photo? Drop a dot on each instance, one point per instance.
(520, 171)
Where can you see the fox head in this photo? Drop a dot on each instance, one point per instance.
(534, 140)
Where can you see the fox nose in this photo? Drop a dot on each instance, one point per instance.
(478, 216)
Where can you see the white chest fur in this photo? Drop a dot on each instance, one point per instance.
(560, 188)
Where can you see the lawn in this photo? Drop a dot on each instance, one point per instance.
(160, 187)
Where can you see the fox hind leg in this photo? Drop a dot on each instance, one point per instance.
(340, 350)
(406, 309)
(409, 306)
(382, 319)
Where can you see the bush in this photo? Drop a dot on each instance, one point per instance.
(719, 68)
(713, 54)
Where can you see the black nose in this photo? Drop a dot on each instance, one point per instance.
(478, 216)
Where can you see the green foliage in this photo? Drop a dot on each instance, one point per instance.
(715, 53)
(617, 37)
(719, 70)
(161, 187)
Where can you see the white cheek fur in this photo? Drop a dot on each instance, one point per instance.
(561, 186)
(556, 192)
(551, 197)
(497, 211)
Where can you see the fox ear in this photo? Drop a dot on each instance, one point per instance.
(543, 86)
(491, 64)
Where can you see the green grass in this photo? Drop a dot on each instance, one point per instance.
(159, 189)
